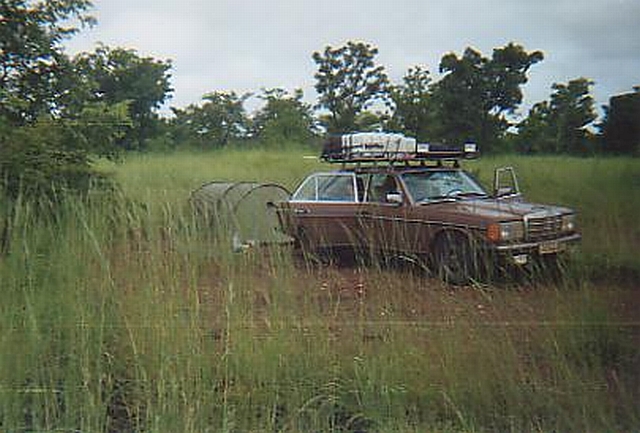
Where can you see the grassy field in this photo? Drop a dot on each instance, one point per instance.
(603, 190)
(124, 316)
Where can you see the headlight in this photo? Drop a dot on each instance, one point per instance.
(568, 223)
(505, 232)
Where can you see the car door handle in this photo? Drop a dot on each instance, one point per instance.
(299, 211)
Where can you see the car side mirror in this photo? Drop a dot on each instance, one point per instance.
(505, 182)
(394, 197)
(501, 192)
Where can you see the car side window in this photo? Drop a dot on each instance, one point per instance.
(327, 187)
(379, 186)
(307, 190)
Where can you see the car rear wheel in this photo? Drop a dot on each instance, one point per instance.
(454, 258)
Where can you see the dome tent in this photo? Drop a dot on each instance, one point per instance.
(241, 211)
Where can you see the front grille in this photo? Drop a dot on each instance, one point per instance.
(540, 228)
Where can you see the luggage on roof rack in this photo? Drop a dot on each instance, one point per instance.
(390, 147)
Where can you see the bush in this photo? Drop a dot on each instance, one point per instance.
(37, 163)
(40, 164)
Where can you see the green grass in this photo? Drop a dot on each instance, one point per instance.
(170, 178)
(602, 190)
(135, 319)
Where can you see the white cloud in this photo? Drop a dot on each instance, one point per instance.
(245, 45)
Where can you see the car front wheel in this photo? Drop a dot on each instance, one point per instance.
(454, 258)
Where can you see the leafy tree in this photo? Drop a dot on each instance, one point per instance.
(49, 156)
(369, 121)
(116, 75)
(534, 131)
(285, 118)
(560, 125)
(572, 110)
(348, 81)
(33, 67)
(413, 108)
(621, 128)
(476, 94)
(220, 119)
(48, 159)
(48, 134)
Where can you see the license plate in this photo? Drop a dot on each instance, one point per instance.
(549, 247)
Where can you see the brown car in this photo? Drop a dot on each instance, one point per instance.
(421, 204)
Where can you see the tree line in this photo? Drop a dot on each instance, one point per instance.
(475, 99)
(58, 112)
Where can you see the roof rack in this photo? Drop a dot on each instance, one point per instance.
(380, 147)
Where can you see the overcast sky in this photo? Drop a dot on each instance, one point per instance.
(247, 45)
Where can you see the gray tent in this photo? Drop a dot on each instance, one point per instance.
(241, 211)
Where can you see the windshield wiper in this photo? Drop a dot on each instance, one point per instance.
(452, 197)
(473, 194)
(438, 198)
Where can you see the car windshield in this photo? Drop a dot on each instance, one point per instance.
(425, 186)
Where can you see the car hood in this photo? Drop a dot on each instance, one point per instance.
(494, 210)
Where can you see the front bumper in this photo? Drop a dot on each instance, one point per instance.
(521, 253)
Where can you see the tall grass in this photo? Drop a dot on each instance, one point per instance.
(604, 191)
(125, 315)
(170, 178)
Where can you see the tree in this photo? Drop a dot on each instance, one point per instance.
(413, 108)
(116, 75)
(560, 125)
(220, 119)
(41, 151)
(33, 67)
(476, 94)
(534, 132)
(348, 81)
(49, 156)
(572, 110)
(369, 121)
(285, 118)
(622, 125)
(49, 134)
(47, 160)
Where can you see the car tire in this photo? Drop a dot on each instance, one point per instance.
(303, 243)
(308, 251)
(454, 258)
(551, 268)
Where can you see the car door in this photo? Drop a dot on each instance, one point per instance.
(383, 215)
(322, 212)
